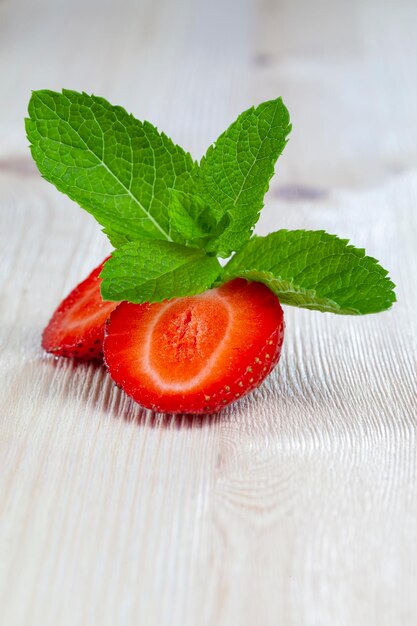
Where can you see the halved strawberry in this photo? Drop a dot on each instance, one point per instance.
(195, 354)
(76, 329)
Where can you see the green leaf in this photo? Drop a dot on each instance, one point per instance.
(117, 168)
(315, 270)
(235, 173)
(191, 221)
(152, 271)
(186, 212)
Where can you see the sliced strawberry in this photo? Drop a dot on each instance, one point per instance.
(195, 354)
(76, 329)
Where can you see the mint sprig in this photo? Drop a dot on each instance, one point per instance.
(169, 218)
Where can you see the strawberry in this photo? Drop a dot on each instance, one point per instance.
(195, 354)
(76, 329)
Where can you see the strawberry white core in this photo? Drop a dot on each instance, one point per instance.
(182, 333)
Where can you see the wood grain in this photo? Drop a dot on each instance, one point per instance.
(297, 506)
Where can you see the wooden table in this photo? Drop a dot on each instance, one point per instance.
(298, 505)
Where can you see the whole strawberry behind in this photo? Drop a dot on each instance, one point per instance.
(190, 335)
(76, 329)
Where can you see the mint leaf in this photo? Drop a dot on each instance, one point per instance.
(191, 221)
(235, 173)
(315, 270)
(187, 224)
(152, 271)
(117, 168)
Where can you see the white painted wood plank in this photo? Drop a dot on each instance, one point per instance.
(298, 505)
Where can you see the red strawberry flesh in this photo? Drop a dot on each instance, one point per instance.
(195, 354)
(76, 329)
